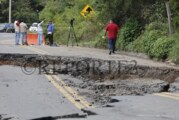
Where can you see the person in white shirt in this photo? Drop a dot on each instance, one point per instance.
(23, 32)
(17, 31)
(40, 32)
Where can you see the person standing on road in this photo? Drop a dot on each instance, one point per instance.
(23, 32)
(112, 30)
(50, 30)
(40, 32)
(17, 31)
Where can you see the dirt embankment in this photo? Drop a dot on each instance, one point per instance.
(90, 68)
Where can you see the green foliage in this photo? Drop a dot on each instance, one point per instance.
(176, 22)
(149, 39)
(129, 32)
(136, 46)
(85, 29)
(158, 25)
(158, 12)
(174, 53)
(162, 47)
(100, 42)
(146, 41)
(147, 33)
(175, 13)
(26, 10)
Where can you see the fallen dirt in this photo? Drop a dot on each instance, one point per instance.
(90, 68)
(100, 92)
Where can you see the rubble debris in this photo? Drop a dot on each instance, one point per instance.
(101, 79)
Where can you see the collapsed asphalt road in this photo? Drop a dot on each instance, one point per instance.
(89, 68)
(96, 87)
(98, 79)
(37, 82)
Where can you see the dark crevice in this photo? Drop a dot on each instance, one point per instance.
(7, 118)
(88, 112)
(108, 106)
(114, 101)
(62, 117)
(166, 88)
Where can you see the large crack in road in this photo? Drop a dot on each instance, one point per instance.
(90, 68)
(95, 79)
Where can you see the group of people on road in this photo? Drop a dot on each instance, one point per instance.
(21, 32)
(50, 31)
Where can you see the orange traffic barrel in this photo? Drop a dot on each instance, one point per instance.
(32, 39)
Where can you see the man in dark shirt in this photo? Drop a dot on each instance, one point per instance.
(112, 30)
(50, 30)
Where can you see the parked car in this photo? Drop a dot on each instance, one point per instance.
(2, 27)
(7, 27)
(33, 27)
(10, 28)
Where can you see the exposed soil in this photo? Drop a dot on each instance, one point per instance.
(100, 92)
(99, 79)
(90, 68)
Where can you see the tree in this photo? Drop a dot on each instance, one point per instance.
(22, 10)
(4, 5)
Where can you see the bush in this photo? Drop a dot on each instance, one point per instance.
(128, 33)
(174, 53)
(61, 35)
(162, 47)
(148, 40)
(137, 45)
(97, 42)
(157, 26)
(153, 32)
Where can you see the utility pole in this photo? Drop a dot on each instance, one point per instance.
(10, 8)
(170, 26)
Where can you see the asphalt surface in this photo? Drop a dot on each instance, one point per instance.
(7, 46)
(25, 97)
(30, 96)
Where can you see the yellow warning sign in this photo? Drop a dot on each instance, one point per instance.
(87, 11)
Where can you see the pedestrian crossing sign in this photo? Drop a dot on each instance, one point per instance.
(87, 11)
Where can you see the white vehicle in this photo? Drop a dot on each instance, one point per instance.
(33, 27)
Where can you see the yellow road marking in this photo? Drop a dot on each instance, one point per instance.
(171, 94)
(73, 92)
(61, 89)
(35, 50)
(168, 95)
(65, 90)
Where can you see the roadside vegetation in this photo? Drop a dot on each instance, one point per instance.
(144, 24)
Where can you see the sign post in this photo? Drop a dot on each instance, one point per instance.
(10, 7)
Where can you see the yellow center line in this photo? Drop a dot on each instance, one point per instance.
(168, 95)
(61, 89)
(171, 94)
(35, 50)
(73, 92)
(68, 92)
(40, 50)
